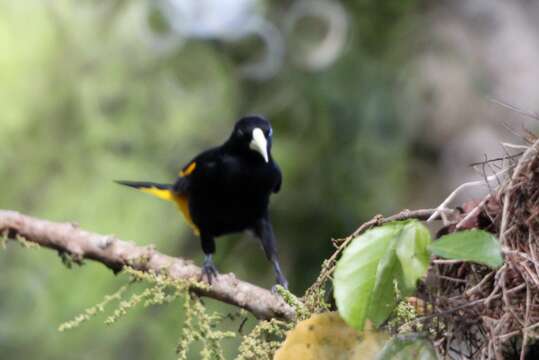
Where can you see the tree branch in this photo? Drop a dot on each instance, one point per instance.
(115, 254)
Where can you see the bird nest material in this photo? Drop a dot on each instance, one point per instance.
(479, 313)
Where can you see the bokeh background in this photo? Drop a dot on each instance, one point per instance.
(376, 106)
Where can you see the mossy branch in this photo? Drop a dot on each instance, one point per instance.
(114, 253)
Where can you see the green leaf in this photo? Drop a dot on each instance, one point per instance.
(413, 253)
(472, 245)
(355, 274)
(376, 267)
(384, 297)
(408, 347)
(406, 260)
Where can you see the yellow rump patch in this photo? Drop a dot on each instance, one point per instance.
(183, 205)
(180, 200)
(164, 194)
(188, 170)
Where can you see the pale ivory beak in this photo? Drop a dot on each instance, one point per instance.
(259, 143)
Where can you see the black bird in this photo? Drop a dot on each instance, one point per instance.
(226, 189)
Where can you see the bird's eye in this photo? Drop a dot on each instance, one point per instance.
(240, 132)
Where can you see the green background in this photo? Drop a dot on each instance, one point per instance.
(86, 97)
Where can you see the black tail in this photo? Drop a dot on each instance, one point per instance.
(143, 184)
(162, 191)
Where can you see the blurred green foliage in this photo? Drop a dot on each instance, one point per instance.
(84, 101)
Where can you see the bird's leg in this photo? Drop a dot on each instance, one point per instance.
(281, 280)
(264, 231)
(208, 268)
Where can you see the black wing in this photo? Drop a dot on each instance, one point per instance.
(198, 167)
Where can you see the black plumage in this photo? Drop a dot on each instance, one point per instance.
(227, 189)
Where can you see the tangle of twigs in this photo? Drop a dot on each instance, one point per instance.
(485, 312)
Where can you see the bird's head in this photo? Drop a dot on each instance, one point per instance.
(253, 133)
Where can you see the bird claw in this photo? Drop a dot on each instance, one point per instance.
(209, 270)
(281, 281)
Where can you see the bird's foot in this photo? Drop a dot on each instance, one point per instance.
(208, 270)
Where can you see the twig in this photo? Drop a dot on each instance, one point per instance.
(515, 146)
(474, 212)
(526, 324)
(479, 285)
(455, 192)
(528, 114)
(529, 153)
(522, 255)
(444, 313)
(516, 332)
(406, 214)
(115, 254)
(487, 161)
(447, 262)
(449, 278)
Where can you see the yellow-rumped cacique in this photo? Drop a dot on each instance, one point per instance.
(227, 189)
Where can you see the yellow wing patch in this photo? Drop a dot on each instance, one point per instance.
(188, 170)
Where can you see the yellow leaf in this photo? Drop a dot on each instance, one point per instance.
(327, 336)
